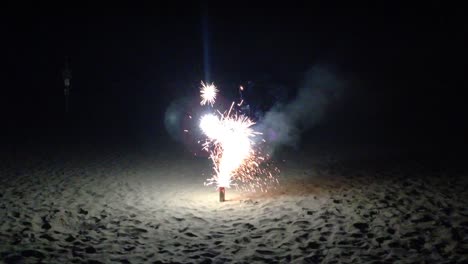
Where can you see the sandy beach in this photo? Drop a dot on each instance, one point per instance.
(151, 207)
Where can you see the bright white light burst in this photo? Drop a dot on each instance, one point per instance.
(231, 146)
(208, 94)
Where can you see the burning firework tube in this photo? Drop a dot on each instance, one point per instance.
(222, 193)
(229, 142)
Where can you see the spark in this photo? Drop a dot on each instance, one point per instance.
(237, 160)
(232, 135)
(208, 93)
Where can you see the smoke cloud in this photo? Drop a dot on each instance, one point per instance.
(283, 124)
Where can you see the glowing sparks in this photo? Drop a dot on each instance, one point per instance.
(211, 126)
(208, 94)
(231, 136)
(232, 150)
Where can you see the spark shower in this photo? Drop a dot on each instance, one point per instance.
(234, 147)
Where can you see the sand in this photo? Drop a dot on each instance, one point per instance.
(89, 205)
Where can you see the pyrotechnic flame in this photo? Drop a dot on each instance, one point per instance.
(208, 94)
(231, 146)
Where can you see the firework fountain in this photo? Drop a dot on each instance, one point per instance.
(231, 144)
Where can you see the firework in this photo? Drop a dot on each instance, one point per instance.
(208, 94)
(230, 141)
(222, 193)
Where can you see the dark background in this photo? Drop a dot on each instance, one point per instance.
(405, 65)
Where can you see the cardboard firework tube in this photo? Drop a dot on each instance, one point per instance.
(222, 193)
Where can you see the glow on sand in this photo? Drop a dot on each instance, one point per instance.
(237, 160)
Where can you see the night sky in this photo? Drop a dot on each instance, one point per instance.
(405, 66)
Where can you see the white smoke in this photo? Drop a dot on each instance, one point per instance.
(283, 124)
